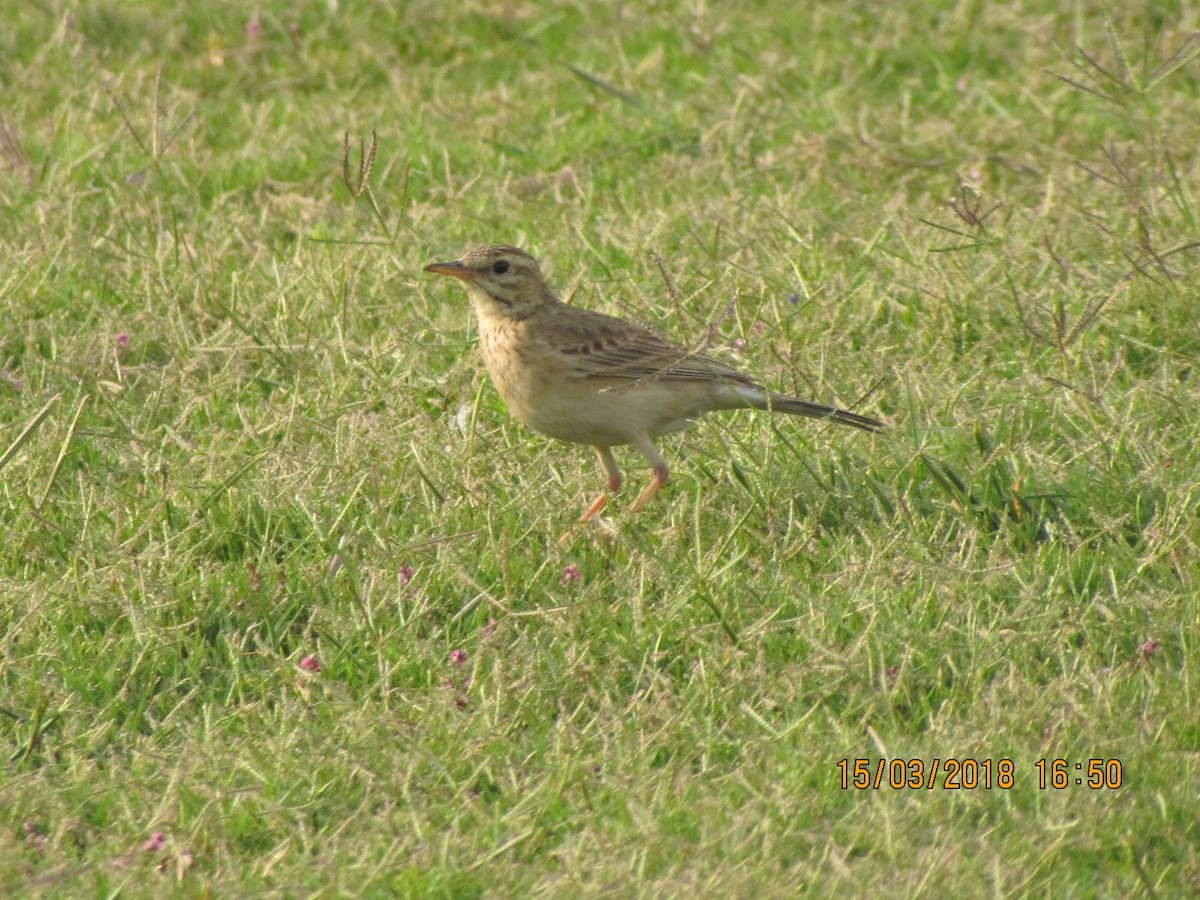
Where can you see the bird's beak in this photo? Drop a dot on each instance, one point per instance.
(454, 269)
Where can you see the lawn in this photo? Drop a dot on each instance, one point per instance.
(284, 610)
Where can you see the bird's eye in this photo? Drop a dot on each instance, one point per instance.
(500, 267)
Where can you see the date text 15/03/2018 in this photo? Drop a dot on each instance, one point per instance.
(954, 774)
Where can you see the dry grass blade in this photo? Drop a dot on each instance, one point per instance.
(28, 430)
(361, 184)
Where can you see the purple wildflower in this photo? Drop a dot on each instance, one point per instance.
(155, 842)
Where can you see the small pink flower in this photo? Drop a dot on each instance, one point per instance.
(34, 838)
(1148, 649)
(571, 574)
(123, 340)
(254, 30)
(311, 663)
(459, 657)
(155, 842)
(406, 574)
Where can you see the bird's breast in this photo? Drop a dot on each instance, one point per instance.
(523, 375)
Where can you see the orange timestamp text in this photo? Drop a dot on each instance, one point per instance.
(954, 774)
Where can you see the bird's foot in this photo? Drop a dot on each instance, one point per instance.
(588, 514)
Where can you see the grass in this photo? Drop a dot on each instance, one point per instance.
(243, 437)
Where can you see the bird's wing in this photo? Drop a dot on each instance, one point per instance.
(594, 345)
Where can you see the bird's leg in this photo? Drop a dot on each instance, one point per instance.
(658, 464)
(612, 472)
(656, 484)
(609, 464)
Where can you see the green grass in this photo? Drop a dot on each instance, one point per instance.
(977, 221)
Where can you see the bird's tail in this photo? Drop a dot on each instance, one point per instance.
(739, 396)
(781, 403)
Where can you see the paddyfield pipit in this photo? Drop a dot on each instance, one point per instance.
(587, 378)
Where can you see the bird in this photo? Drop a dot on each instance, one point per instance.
(585, 377)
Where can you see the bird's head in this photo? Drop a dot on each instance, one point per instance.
(502, 281)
